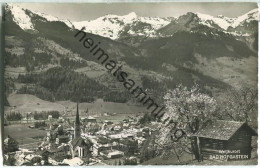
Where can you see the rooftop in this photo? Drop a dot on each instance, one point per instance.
(221, 129)
(79, 142)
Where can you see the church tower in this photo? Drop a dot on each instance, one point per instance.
(77, 124)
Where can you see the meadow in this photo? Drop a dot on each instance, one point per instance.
(24, 135)
(28, 103)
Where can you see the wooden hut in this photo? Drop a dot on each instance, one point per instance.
(224, 140)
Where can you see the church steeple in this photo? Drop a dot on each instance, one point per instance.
(77, 114)
(77, 124)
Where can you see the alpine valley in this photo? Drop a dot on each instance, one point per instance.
(43, 58)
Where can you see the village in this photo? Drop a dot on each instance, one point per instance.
(82, 141)
(88, 141)
(95, 84)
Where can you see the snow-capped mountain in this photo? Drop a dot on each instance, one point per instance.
(51, 18)
(187, 49)
(225, 22)
(115, 27)
(112, 26)
(221, 21)
(20, 17)
(246, 18)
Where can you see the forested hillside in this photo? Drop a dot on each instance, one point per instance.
(185, 50)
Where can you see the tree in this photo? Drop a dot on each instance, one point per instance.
(36, 159)
(40, 124)
(186, 111)
(14, 116)
(130, 161)
(45, 157)
(147, 118)
(131, 146)
(149, 149)
(238, 104)
(10, 161)
(27, 117)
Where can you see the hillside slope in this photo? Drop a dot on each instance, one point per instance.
(159, 53)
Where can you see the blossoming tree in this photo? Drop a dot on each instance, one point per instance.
(185, 112)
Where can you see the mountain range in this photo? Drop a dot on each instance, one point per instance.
(114, 26)
(215, 52)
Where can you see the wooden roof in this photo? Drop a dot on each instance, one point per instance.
(221, 129)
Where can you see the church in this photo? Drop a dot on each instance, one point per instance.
(79, 147)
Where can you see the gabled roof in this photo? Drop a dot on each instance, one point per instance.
(80, 142)
(221, 129)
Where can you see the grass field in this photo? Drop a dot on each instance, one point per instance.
(28, 103)
(26, 137)
(229, 70)
(17, 131)
(101, 107)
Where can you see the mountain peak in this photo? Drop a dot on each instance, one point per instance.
(253, 11)
(131, 15)
(220, 16)
(20, 17)
(112, 26)
(249, 16)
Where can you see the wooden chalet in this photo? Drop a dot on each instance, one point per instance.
(223, 140)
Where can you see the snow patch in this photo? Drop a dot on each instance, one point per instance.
(112, 25)
(20, 17)
(225, 22)
(51, 18)
(222, 22)
(251, 15)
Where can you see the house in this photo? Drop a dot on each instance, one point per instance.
(115, 154)
(62, 139)
(62, 152)
(57, 134)
(118, 128)
(61, 120)
(223, 140)
(59, 153)
(92, 128)
(108, 122)
(97, 148)
(49, 117)
(80, 148)
(112, 154)
(30, 116)
(89, 119)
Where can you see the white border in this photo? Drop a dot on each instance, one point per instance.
(115, 1)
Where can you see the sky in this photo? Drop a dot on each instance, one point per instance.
(89, 11)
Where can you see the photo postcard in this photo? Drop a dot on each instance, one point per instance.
(114, 84)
